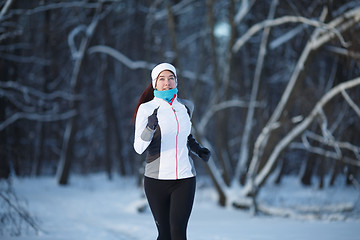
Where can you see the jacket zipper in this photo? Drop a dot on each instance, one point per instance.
(177, 135)
(176, 146)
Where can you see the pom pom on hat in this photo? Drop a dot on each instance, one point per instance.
(158, 69)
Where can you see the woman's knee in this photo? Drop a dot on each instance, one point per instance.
(178, 232)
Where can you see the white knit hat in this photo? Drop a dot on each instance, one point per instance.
(158, 69)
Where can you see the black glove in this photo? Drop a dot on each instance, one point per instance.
(204, 154)
(153, 120)
(194, 146)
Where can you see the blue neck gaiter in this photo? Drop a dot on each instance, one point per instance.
(167, 95)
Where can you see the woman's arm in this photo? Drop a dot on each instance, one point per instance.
(194, 146)
(145, 127)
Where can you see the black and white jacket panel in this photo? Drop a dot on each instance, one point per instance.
(167, 146)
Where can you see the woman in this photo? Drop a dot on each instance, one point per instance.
(162, 128)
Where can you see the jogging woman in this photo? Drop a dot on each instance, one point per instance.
(163, 129)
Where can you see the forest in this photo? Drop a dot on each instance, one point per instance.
(275, 85)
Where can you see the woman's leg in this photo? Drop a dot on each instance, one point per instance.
(182, 199)
(157, 193)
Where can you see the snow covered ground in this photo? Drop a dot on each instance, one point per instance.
(93, 208)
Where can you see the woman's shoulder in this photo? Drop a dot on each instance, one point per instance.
(188, 104)
(149, 106)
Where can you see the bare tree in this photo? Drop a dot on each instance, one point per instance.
(15, 218)
(78, 54)
(258, 173)
(255, 71)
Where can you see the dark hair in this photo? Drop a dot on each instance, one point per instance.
(146, 96)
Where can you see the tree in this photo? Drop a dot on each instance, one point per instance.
(261, 166)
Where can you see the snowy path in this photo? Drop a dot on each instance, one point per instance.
(95, 209)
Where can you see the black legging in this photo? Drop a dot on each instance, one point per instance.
(171, 203)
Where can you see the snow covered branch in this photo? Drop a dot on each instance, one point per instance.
(121, 57)
(48, 7)
(40, 117)
(272, 23)
(286, 37)
(75, 52)
(28, 101)
(350, 102)
(139, 64)
(344, 52)
(218, 107)
(306, 145)
(29, 91)
(352, 18)
(301, 127)
(5, 8)
(176, 9)
(243, 10)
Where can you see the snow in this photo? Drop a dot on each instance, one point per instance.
(93, 207)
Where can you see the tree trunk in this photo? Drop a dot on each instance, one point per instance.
(308, 171)
(219, 119)
(38, 149)
(107, 126)
(335, 172)
(4, 158)
(245, 145)
(321, 173)
(282, 167)
(71, 128)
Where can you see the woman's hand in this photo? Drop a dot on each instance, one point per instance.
(153, 120)
(204, 154)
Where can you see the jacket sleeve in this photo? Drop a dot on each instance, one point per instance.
(143, 134)
(193, 144)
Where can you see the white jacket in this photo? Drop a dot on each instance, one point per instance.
(167, 151)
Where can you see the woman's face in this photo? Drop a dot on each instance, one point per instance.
(165, 81)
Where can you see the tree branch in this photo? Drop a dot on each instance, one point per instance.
(218, 107)
(6, 7)
(26, 91)
(296, 131)
(350, 102)
(121, 57)
(343, 52)
(13, 204)
(298, 19)
(316, 137)
(139, 64)
(47, 117)
(262, 139)
(243, 10)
